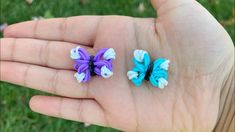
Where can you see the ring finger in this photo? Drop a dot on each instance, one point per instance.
(59, 82)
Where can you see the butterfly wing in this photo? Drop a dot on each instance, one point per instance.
(159, 75)
(103, 62)
(81, 58)
(141, 62)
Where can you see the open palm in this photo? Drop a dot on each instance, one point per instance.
(36, 54)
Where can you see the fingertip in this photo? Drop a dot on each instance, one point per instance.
(44, 104)
(154, 4)
(6, 31)
(162, 6)
(22, 29)
(33, 103)
(10, 31)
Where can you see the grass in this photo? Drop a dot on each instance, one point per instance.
(15, 114)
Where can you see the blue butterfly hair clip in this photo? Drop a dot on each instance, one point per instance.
(156, 72)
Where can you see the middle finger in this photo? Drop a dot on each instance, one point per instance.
(52, 54)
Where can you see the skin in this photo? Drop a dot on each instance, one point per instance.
(200, 50)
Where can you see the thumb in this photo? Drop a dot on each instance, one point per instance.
(162, 6)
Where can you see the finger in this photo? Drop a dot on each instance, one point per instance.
(82, 110)
(80, 29)
(162, 6)
(59, 82)
(40, 52)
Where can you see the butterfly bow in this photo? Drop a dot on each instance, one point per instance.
(155, 72)
(87, 66)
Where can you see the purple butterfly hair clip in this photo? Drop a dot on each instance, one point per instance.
(87, 66)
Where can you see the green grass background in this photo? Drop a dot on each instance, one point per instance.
(15, 115)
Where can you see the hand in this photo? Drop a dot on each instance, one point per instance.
(36, 54)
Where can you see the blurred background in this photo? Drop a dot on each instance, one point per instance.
(15, 115)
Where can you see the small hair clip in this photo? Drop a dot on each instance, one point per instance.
(87, 66)
(155, 72)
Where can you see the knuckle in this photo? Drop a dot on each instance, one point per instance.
(13, 47)
(60, 111)
(44, 53)
(26, 75)
(54, 82)
(63, 28)
(80, 110)
(35, 29)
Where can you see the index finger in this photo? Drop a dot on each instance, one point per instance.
(81, 29)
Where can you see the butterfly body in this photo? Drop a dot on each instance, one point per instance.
(155, 73)
(87, 66)
(91, 65)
